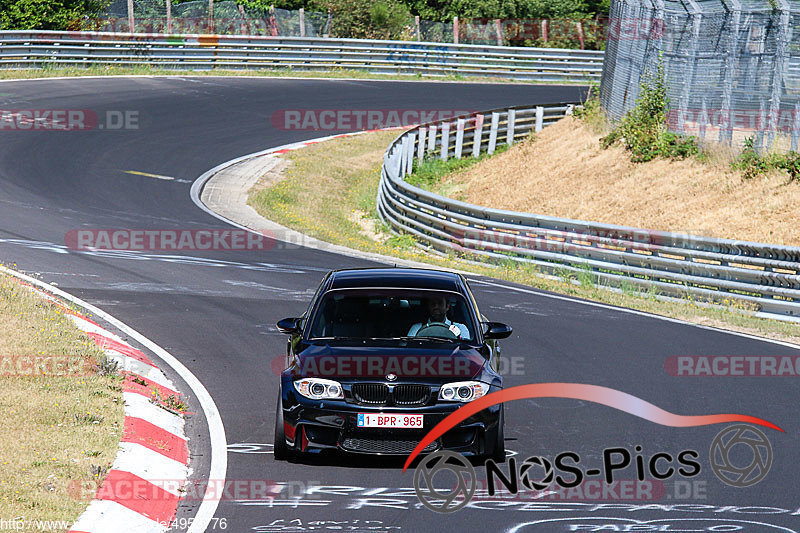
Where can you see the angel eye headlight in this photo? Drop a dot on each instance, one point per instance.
(319, 389)
(463, 391)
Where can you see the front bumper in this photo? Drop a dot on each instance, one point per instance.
(314, 426)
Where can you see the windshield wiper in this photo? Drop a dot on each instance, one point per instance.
(426, 338)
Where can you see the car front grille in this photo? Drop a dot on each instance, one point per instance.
(411, 394)
(401, 395)
(371, 393)
(390, 446)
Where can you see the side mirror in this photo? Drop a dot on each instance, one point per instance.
(290, 326)
(496, 330)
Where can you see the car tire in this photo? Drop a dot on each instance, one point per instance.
(499, 452)
(279, 447)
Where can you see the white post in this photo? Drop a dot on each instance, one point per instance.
(510, 127)
(455, 30)
(211, 16)
(421, 144)
(476, 140)
(796, 127)
(431, 139)
(493, 133)
(169, 16)
(412, 137)
(459, 137)
(498, 28)
(403, 156)
(131, 21)
(703, 122)
(539, 119)
(445, 140)
(302, 22)
(416, 26)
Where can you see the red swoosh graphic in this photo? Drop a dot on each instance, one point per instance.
(577, 391)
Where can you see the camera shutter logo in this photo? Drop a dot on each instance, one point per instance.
(445, 500)
(544, 464)
(723, 464)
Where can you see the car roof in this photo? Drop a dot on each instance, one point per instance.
(412, 278)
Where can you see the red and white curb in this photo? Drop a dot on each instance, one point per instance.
(142, 489)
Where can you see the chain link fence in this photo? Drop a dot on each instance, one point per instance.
(227, 18)
(732, 67)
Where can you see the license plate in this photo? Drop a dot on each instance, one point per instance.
(393, 420)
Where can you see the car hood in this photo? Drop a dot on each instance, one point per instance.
(435, 364)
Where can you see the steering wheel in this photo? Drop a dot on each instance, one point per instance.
(436, 329)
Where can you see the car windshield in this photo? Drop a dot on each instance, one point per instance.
(393, 314)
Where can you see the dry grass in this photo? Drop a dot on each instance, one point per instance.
(330, 185)
(48, 438)
(563, 172)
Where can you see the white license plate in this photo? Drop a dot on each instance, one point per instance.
(389, 420)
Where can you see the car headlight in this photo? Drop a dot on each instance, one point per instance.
(463, 391)
(319, 389)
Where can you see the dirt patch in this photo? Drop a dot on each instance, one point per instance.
(564, 172)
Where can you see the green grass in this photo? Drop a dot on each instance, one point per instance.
(329, 192)
(53, 71)
(429, 174)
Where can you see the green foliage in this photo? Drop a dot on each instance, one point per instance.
(753, 165)
(643, 129)
(428, 174)
(445, 10)
(367, 19)
(48, 14)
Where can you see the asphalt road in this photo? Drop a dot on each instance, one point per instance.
(216, 312)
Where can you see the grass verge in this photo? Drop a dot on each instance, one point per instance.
(55, 430)
(57, 71)
(329, 192)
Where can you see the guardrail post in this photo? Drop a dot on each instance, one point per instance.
(459, 137)
(416, 27)
(476, 140)
(796, 127)
(302, 22)
(539, 119)
(421, 144)
(455, 30)
(403, 156)
(431, 139)
(493, 133)
(412, 137)
(445, 140)
(511, 126)
(131, 21)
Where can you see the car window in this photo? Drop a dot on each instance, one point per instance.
(371, 313)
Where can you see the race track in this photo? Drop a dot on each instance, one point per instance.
(215, 311)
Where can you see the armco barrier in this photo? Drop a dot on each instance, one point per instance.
(36, 49)
(765, 276)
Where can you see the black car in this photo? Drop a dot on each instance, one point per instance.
(380, 357)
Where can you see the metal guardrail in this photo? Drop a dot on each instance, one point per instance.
(36, 49)
(765, 276)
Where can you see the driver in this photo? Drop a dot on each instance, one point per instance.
(438, 306)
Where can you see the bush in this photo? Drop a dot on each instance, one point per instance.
(366, 19)
(48, 14)
(753, 165)
(643, 129)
